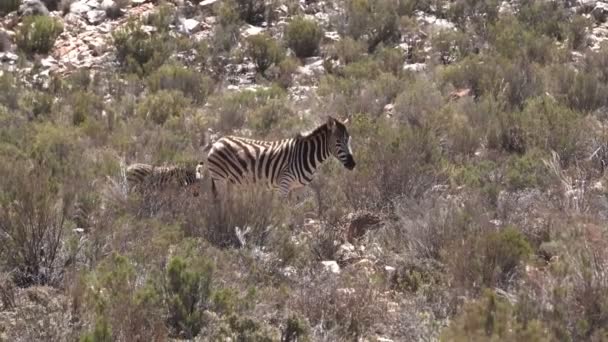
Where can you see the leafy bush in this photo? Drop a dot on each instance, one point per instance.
(264, 51)
(487, 258)
(577, 32)
(32, 225)
(493, 318)
(8, 6)
(526, 171)
(187, 291)
(253, 11)
(139, 51)
(303, 36)
(227, 33)
(162, 105)
(38, 34)
(121, 305)
(374, 20)
(177, 77)
(348, 50)
(85, 105)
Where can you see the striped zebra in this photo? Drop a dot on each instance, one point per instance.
(147, 178)
(282, 164)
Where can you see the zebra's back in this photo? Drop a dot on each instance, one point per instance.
(241, 160)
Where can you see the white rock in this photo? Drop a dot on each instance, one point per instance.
(331, 266)
(80, 8)
(332, 36)
(192, 25)
(207, 3)
(8, 57)
(416, 67)
(96, 17)
(250, 30)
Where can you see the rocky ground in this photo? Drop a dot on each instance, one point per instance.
(400, 271)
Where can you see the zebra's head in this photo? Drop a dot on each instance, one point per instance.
(339, 142)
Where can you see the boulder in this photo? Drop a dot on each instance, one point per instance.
(600, 12)
(32, 7)
(96, 17)
(330, 266)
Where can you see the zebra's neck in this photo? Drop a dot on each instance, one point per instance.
(313, 150)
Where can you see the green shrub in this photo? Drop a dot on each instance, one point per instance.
(188, 290)
(85, 105)
(348, 50)
(114, 295)
(139, 51)
(101, 333)
(38, 34)
(264, 51)
(493, 318)
(481, 14)
(526, 171)
(303, 36)
(549, 125)
(8, 6)
(283, 73)
(577, 32)
(161, 18)
(545, 18)
(376, 21)
(418, 102)
(227, 33)
(254, 11)
(33, 222)
(162, 105)
(273, 116)
(177, 77)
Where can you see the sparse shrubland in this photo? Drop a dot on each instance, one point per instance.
(476, 210)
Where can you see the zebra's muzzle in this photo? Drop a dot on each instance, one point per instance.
(350, 163)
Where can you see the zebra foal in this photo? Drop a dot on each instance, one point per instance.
(148, 178)
(282, 164)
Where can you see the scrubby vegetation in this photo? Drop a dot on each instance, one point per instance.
(477, 210)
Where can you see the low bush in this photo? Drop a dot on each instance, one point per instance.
(8, 6)
(375, 21)
(264, 51)
(348, 50)
(187, 292)
(163, 105)
(493, 318)
(488, 258)
(179, 78)
(139, 51)
(37, 34)
(303, 36)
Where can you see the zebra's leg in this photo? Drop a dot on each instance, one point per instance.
(214, 190)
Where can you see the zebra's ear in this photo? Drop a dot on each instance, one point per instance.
(331, 123)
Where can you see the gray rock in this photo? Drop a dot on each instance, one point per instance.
(8, 57)
(600, 12)
(330, 266)
(80, 7)
(96, 17)
(32, 7)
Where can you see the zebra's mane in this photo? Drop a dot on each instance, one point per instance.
(304, 135)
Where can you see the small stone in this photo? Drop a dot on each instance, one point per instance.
(416, 67)
(331, 266)
(96, 17)
(207, 3)
(191, 25)
(8, 57)
(251, 30)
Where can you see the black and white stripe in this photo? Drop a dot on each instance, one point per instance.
(148, 178)
(283, 164)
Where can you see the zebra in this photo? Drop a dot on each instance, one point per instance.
(144, 178)
(285, 164)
